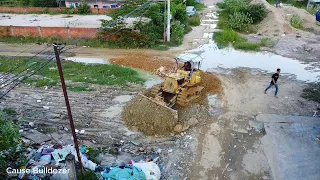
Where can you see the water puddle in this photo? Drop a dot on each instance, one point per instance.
(150, 78)
(87, 60)
(215, 59)
(112, 111)
(123, 98)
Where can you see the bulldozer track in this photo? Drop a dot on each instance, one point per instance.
(155, 90)
(187, 96)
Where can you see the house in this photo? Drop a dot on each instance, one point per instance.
(94, 3)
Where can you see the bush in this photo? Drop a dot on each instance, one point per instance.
(177, 31)
(9, 133)
(257, 12)
(233, 6)
(239, 21)
(84, 9)
(264, 41)
(296, 22)
(194, 20)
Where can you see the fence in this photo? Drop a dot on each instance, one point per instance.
(64, 32)
(30, 10)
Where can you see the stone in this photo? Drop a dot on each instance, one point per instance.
(192, 122)
(36, 137)
(178, 128)
(31, 124)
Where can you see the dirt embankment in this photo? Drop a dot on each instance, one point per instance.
(278, 20)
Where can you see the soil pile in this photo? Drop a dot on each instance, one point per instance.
(143, 115)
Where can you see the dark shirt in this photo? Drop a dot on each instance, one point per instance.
(275, 76)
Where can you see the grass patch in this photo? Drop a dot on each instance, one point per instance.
(227, 36)
(87, 175)
(80, 89)
(194, 20)
(9, 111)
(160, 47)
(312, 92)
(296, 22)
(247, 46)
(103, 74)
(263, 41)
(199, 6)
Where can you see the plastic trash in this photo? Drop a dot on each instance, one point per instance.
(59, 154)
(150, 169)
(47, 151)
(44, 160)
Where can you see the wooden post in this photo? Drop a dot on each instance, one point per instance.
(72, 174)
(39, 31)
(12, 31)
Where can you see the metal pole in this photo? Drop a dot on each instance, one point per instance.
(168, 25)
(64, 89)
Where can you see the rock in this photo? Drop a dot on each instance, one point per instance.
(192, 122)
(31, 124)
(46, 107)
(21, 131)
(66, 129)
(178, 128)
(38, 101)
(37, 137)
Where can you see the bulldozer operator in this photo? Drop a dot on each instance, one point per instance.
(187, 67)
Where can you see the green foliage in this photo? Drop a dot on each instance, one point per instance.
(9, 133)
(194, 20)
(296, 22)
(45, 10)
(9, 111)
(69, 11)
(233, 6)
(247, 46)
(227, 36)
(177, 32)
(312, 92)
(44, 3)
(239, 21)
(87, 175)
(103, 74)
(199, 6)
(257, 12)
(84, 9)
(80, 89)
(264, 41)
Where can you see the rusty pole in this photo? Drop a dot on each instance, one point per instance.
(64, 89)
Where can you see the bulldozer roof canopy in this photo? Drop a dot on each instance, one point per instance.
(195, 58)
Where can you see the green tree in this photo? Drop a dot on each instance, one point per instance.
(44, 3)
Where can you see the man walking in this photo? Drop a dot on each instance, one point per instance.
(273, 82)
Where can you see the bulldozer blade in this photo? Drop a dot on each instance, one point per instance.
(147, 115)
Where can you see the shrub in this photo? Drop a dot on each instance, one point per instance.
(84, 9)
(264, 41)
(177, 31)
(234, 5)
(296, 22)
(194, 20)
(45, 11)
(239, 21)
(9, 133)
(257, 12)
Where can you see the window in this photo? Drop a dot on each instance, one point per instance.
(96, 6)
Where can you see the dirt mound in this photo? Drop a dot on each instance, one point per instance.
(277, 21)
(148, 117)
(211, 83)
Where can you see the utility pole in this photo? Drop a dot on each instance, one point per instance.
(169, 21)
(64, 89)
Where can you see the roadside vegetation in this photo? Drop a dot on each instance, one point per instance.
(142, 34)
(238, 16)
(312, 92)
(102, 74)
(197, 5)
(296, 22)
(9, 139)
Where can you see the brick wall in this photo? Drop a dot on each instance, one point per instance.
(64, 32)
(19, 10)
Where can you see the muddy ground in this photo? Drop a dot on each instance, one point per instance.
(220, 142)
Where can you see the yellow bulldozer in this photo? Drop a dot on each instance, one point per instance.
(155, 113)
(180, 86)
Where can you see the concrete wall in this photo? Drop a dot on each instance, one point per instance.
(19, 10)
(28, 31)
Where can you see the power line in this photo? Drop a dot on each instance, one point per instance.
(43, 65)
(5, 84)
